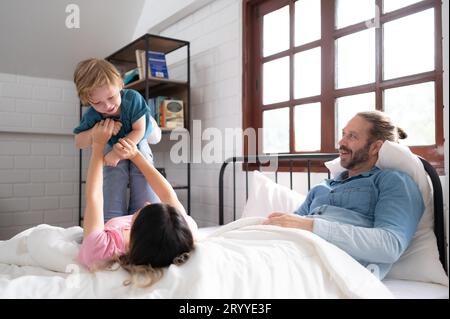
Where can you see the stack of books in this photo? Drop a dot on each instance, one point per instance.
(168, 112)
(157, 66)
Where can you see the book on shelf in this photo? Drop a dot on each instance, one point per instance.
(157, 65)
(168, 112)
(139, 64)
(172, 112)
(154, 105)
(131, 76)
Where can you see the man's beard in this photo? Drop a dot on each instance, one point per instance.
(358, 157)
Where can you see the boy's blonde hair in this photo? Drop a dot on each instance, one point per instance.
(94, 73)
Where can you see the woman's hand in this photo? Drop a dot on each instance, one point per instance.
(102, 132)
(125, 148)
(117, 127)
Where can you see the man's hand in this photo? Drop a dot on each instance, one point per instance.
(102, 132)
(117, 127)
(289, 220)
(111, 159)
(125, 148)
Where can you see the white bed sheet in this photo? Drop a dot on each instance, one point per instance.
(401, 289)
(205, 231)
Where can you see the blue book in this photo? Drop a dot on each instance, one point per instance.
(151, 105)
(154, 104)
(157, 64)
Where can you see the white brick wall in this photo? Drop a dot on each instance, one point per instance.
(37, 105)
(38, 159)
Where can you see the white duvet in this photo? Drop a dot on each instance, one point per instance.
(241, 260)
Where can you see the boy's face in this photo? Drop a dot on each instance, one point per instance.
(106, 99)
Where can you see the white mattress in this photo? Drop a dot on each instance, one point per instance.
(405, 289)
(402, 289)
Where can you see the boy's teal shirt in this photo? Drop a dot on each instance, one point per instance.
(132, 108)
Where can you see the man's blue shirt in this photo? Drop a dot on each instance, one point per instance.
(132, 108)
(372, 216)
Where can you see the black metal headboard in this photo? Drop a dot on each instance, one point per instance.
(438, 202)
(308, 158)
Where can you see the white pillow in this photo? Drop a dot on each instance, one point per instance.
(420, 262)
(155, 135)
(55, 248)
(50, 247)
(266, 196)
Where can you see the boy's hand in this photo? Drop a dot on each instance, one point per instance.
(117, 127)
(102, 131)
(125, 148)
(111, 159)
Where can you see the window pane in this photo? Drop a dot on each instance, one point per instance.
(276, 31)
(391, 5)
(276, 131)
(355, 61)
(276, 81)
(307, 73)
(409, 45)
(349, 12)
(307, 21)
(413, 108)
(307, 127)
(348, 106)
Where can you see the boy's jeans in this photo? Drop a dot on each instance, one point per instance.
(117, 179)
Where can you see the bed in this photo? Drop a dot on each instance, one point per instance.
(421, 271)
(242, 259)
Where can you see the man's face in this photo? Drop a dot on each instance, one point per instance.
(354, 147)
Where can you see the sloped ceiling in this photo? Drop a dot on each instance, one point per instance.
(35, 41)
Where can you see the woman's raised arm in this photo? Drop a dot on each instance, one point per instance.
(93, 213)
(126, 149)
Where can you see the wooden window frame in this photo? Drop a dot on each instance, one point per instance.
(252, 107)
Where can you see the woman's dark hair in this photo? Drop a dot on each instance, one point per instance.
(158, 235)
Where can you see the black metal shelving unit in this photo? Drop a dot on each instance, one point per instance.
(125, 59)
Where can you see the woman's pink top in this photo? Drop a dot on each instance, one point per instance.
(104, 244)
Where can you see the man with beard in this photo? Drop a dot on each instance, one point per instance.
(370, 213)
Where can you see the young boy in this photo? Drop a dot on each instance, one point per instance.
(100, 85)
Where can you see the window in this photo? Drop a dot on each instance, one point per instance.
(310, 65)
